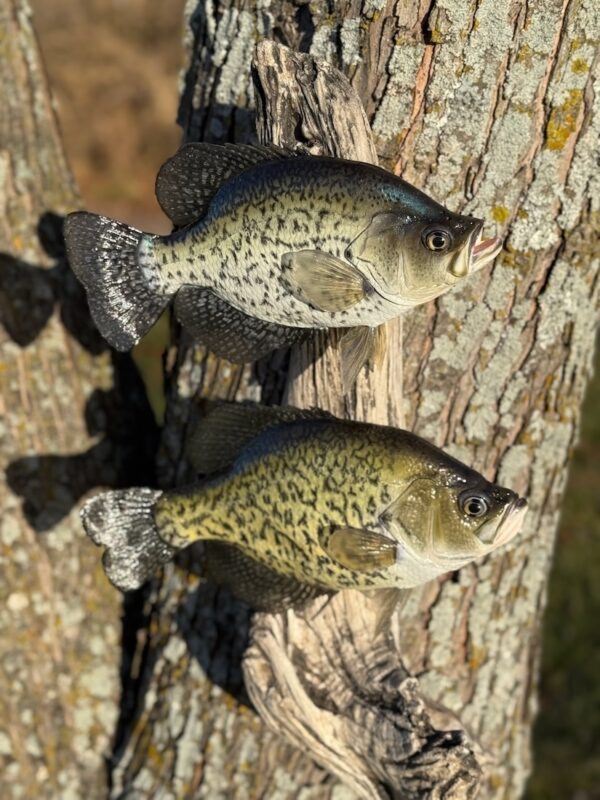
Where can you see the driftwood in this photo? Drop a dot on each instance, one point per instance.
(323, 678)
(491, 110)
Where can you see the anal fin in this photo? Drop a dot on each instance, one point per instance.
(228, 332)
(253, 583)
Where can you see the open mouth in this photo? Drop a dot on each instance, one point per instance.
(512, 521)
(484, 251)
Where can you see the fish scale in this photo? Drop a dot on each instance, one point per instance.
(286, 244)
(223, 508)
(315, 502)
(281, 523)
(230, 232)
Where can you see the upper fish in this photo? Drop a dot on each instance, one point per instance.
(300, 502)
(270, 245)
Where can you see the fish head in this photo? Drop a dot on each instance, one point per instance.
(410, 258)
(445, 523)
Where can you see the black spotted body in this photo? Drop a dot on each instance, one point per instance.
(270, 246)
(297, 482)
(299, 500)
(238, 248)
(281, 498)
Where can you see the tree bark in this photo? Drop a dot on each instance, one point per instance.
(493, 109)
(64, 428)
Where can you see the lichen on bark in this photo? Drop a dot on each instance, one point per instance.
(492, 109)
(59, 618)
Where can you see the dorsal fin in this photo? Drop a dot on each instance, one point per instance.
(218, 437)
(188, 180)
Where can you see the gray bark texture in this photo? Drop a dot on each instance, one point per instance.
(59, 631)
(492, 108)
(64, 428)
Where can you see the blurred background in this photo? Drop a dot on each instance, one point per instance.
(114, 67)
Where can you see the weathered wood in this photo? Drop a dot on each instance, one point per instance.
(492, 108)
(324, 678)
(301, 101)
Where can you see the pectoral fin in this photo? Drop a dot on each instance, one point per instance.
(324, 281)
(357, 346)
(360, 549)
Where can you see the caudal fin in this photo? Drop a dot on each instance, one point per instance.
(104, 254)
(123, 522)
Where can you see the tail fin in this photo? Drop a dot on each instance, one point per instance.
(123, 521)
(104, 254)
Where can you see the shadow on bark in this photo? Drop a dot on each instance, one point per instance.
(29, 293)
(220, 642)
(51, 485)
(213, 624)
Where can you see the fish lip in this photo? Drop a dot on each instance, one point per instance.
(483, 250)
(515, 512)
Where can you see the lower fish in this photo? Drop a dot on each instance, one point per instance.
(271, 246)
(299, 502)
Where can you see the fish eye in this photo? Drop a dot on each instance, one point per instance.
(438, 240)
(474, 505)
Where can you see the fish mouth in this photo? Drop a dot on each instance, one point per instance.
(511, 522)
(483, 251)
(474, 255)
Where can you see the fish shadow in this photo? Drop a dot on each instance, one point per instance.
(127, 436)
(215, 626)
(29, 293)
(51, 485)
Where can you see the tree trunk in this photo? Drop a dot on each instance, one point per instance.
(63, 430)
(491, 108)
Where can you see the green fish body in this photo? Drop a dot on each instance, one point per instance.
(272, 246)
(325, 503)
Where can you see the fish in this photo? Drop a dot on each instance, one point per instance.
(297, 503)
(270, 246)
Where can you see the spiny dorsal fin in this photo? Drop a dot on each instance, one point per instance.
(188, 180)
(218, 438)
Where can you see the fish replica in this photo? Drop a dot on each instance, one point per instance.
(271, 246)
(298, 503)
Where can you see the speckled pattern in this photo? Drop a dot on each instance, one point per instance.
(260, 216)
(296, 483)
(228, 332)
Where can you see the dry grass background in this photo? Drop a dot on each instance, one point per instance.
(113, 65)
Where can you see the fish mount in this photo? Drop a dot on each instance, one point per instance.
(322, 677)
